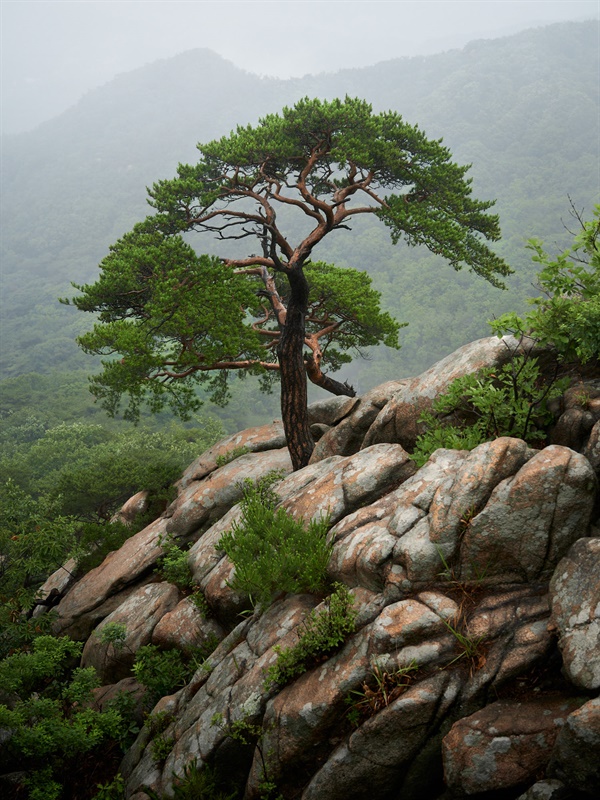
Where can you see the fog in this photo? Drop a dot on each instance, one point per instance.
(54, 51)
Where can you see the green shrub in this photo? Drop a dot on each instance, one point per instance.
(27, 671)
(162, 672)
(510, 401)
(160, 747)
(271, 551)
(566, 315)
(231, 455)
(173, 565)
(114, 790)
(51, 722)
(322, 633)
(198, 784)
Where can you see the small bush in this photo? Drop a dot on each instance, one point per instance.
(271, 551)
(231, 455)
(174, 567)
(162, 672)
(510, 401)
(322, 633)
(566, 315)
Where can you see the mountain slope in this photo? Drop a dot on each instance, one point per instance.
(523, 110)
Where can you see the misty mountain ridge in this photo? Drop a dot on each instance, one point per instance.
(522, 109)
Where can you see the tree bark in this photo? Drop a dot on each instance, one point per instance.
(294, 393)
(319, 378)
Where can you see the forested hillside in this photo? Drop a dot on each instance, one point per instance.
(523, 110)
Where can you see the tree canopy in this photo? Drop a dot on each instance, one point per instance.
(280, 188)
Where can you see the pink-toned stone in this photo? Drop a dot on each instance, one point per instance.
(575, 593)
(185, 628)
(58, 582)
(347, 436)
(203, 502)
(371, 762)
(398, 421)
(404, 623)
(531, 519)
(471, 485)
(136, 505)
(503, 745)
(119, 569)
(139, 614)
(351, 482)
(331, 410)
(105, 695)
(299, 717)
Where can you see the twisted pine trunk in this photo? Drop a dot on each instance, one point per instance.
(294, 393)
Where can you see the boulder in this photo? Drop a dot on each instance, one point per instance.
(55, 587)
(121, 568)
(136, 505)
(349, 483)
(575, 598)
(531, 519)
(204, 501)
(503, 745)
(576, 755)
(105, 696)
(398, 420)
(347, 436)
(185, 628)
(372, 761)
(139, 615)
(263, 437)
(331, 410)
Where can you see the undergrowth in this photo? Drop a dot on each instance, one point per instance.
(271, 551)
(321, 634)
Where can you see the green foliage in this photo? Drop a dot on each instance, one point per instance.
(515, 116)
(199, 784)
(113, 633)
(50, 720)
(35, 539)
(62, 485)
(158, 722)
(271, 551)
(231, 455)
(95, 540)
(88, 472)
(41, 785)
(322, 633)
(113, 790)
(160, 747)
(567, 314)
(125, 704)
(173, 565)
(510, 401)
(49, 656)
(161, 671)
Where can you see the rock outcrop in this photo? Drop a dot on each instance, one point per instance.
(474, 665)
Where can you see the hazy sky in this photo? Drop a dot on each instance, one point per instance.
(53, 51)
